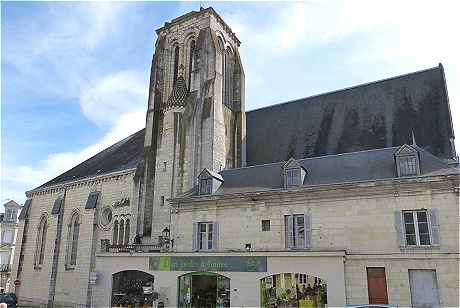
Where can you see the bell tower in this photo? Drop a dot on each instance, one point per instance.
(195, 117)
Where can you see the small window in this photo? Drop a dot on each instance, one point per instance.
(162, 200)
(293, 177)
(206, 186)
(164, 166)
(416, 228)
(205, 235)
(408, 166)
(265, 225)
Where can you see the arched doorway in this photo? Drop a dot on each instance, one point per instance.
(204, 290)
(132, 289)
(293, 290)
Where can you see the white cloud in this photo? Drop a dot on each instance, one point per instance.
(28, 176)
(114, 95)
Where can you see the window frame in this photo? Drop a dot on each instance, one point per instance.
(208, 186)
(415, 222)
(73, 236)
(296, 242)
(262, 225)
(40, 244)
(293, 176)
(408, 163)
(208, 236)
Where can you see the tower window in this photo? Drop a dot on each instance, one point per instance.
(191, 64)
(72, 240)
(176, 64)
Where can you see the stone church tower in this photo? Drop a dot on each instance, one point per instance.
(195, 117)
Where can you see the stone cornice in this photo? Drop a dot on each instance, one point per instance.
(80, 182)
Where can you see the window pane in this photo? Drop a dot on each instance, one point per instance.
(410, 239)
(202, 227)
(421, 216)
(410, 229)
(210, 228)
(408, 217)
(423, 228)
(424, 239)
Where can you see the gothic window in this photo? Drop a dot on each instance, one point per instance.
(72, 240)
(191, 63)
(121, 232)
(41, 241)
(115, 233)
(127, 232)
(176, 64)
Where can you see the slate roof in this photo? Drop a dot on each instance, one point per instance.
(381, 114)
(123, 155)
(378, 164)
(178, 94)
(374, 115)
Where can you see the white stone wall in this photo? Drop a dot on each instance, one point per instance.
(71, 284)
(359, 220)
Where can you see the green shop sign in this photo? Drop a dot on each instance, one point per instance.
(211, 264)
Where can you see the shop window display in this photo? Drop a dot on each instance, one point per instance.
(293, 290)
(132, 289)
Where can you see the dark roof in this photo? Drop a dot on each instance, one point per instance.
(123, 155)
(381, 114)
(378, 164)
(374, 115)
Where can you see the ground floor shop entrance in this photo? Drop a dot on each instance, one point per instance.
(293, 290)
(204, 289)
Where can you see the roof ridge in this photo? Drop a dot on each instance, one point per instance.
(346, 88)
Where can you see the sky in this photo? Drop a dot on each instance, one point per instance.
(74, 75)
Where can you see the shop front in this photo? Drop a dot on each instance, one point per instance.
(276, 279)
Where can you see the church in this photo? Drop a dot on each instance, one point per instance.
(347, 197)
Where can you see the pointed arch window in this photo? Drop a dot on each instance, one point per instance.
(72, 240)
(176, 64)
(191, 63)
(121, 232)
(127, 232)
(115, 233)
(41, 242)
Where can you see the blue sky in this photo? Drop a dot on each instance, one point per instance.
(74, 76)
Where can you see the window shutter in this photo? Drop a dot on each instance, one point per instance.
(400, 229)
(289, 231)
(434, 222)
(307, 228)
(215, 236)
(195, 237)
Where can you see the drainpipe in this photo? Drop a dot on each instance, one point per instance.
(57, 246)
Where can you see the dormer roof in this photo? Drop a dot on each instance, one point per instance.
(406, 149)
(12, 204)
(206, 173)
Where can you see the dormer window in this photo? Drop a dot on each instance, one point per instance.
(407, 161)
(209, 181)
(293, 177)
(294, 174)
(206, 186)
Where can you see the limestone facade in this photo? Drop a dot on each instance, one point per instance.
(196, 121)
